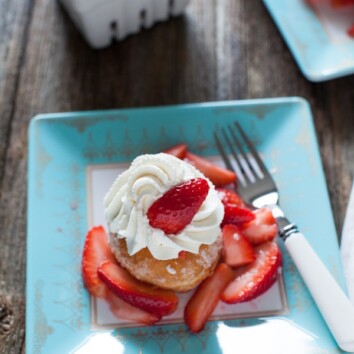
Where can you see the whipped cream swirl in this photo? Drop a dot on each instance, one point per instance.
(135, 190)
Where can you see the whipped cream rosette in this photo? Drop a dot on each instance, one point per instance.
(135, 190)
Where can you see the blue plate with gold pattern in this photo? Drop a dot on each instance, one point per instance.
(73, 159)
(317, 36)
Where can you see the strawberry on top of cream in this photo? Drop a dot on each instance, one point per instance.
(135, 190)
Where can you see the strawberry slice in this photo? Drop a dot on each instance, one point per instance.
(263, 228)
(218, 175)
(173, 211)
(203, 302)
(178, 151)
(238, 251)
(158, 302)
(257, 277)
(237, 215)
(235, 210)
(96, 250)
(123, 310)
(229, 197)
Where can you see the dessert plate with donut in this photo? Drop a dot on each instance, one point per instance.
(138, 241)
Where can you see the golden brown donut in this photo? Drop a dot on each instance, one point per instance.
(181, 274)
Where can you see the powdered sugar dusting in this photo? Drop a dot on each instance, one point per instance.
(207, 257)
(236, 236)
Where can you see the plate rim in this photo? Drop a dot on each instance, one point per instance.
(309, 73)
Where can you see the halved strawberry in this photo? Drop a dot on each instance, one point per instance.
(256, 278)
(156, 301)
(229, 197)
(123, 310)
(218, 175)
(174, 210)
(263, 228)
(238, 251)
(179, 151)
(96, 250)
(203, 302)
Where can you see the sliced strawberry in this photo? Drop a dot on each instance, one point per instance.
(218, 175)
(238, 251)
(123, 310)
(256, 278)
(263, 228)
(237, 215)
(173, 211)
(235, 210)
(206, 297)
(179, 151)
(156, 301)
(229, 197)
(96, 250)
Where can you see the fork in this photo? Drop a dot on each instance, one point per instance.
(257, 188)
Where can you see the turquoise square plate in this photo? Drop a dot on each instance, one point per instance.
(62, 147)
(316, 37)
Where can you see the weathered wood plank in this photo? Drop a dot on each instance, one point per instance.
(14, 22)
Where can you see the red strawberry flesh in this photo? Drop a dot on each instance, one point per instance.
(235, 214)
(206, 297)
(174, 210)
(96, 250)
(158, 302)
(218, 175)
(351, 31)
(339, 3)
(238, 251)
(263, 228)
(235, 210)
(123, 310)
(178, 151)
(229, 197)
(256, 278)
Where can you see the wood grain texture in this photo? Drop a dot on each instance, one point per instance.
(220, 50)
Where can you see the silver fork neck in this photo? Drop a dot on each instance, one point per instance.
(268, 200)
(286, 228)
(279, 215)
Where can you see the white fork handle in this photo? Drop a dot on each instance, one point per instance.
(335, 307)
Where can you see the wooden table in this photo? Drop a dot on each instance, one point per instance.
(219, 50)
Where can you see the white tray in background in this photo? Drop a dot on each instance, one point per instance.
(102, 21)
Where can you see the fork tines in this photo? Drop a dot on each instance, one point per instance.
(240, 155)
